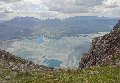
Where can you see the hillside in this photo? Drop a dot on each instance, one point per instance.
(17, 70)
(17, 64)
(104, 51)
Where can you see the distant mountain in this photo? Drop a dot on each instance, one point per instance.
(105, 50)
(28, 26)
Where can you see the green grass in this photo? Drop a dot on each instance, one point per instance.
(90, 75)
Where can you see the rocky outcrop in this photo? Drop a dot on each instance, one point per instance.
(17, 64)
(104, 51)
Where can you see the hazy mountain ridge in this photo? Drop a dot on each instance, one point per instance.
(29, 26)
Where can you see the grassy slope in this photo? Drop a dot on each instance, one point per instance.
(90, 75)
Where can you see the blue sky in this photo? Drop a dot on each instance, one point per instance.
(58, 8)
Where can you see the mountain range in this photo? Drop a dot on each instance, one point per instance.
(55, 28)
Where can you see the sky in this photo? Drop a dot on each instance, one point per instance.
(58, 8)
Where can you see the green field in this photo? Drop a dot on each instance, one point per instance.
(90, 75)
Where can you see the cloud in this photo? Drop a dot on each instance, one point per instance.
(113, 7)
(75, 9)
(112, 3)
(10, 1)
(88, 3)
(59, 8)
(26, 9)
(72, 6)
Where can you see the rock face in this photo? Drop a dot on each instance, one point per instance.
(104, 51)
(9, 61)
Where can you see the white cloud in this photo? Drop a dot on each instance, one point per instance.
(88, 3)
(112, 3)
(72, 6)
(9, 1)
(57, 8)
